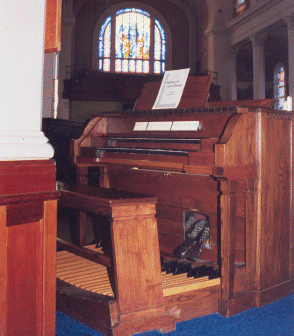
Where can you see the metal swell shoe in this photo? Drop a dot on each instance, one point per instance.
(191, 240)
(194, 253)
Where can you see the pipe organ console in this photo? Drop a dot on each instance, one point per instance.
(229, 165)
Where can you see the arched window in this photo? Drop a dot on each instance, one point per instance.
(130, 40)
(240, 3)
(280, 86)
(240, 6)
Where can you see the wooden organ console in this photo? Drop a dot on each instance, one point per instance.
(228, 163)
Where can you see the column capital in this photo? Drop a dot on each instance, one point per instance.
(258, 39)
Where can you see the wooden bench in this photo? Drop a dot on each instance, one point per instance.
(138, 303)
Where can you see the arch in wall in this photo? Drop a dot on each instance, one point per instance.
(110, 15)
(180, 18)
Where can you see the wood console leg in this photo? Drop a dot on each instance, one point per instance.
(230, 304)
(228, 237)
(252, 225)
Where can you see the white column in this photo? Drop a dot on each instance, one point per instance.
(232, 73)
(217, 60)
(217, 42)
(49, 84)
(22, 39)
(67, 26)
(290, 25)
(258, 66)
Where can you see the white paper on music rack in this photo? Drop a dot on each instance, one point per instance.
(189, 125)
(159, 126)
(140, 126)
(171, 89)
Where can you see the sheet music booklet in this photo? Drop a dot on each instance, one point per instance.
(171, 89)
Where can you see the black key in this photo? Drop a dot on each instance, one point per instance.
(170, 266)
(180, 269)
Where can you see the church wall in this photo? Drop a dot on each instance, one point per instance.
(90, 12)
(186, 21)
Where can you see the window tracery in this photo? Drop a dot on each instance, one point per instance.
(132, 41)
(280, 86)
(240, 6)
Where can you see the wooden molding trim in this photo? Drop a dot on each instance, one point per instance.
(53, 26)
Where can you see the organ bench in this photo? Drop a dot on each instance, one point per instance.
(135, 259)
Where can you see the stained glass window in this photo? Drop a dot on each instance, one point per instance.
(159, 48)
(240, 6)
(104, 45)
(240, 3)
(280, 87)
(132, 40)
(134, 48)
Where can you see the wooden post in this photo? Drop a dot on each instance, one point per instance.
(28, 202)
(53, 25)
